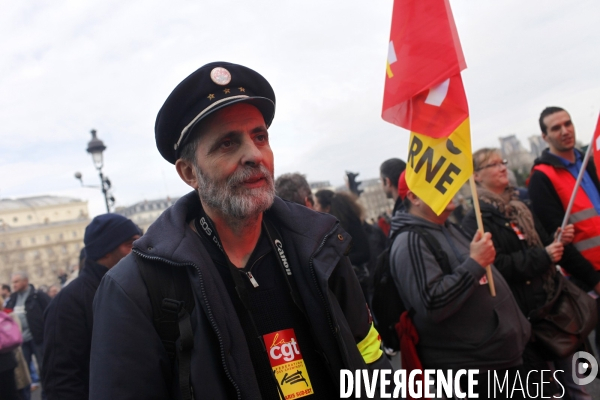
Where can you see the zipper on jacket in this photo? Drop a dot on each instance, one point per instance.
(249, 271)
(252, 280)
(209, 313)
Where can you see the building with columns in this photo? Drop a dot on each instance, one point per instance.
(42, 236)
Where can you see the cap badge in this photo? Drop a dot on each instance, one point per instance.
(220, 76)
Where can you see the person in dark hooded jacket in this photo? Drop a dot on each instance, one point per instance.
(69, 319)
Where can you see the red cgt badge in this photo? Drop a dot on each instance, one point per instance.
(287, 363)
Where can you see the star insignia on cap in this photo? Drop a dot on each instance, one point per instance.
(226, 91)
(241, 89)
(211, 96)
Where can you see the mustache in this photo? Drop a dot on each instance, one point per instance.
(245, 173)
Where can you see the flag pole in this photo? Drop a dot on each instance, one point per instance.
(488, 269)
(586, 159)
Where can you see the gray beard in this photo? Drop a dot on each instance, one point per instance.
(232, 199)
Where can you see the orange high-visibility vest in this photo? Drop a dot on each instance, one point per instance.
(583, 216)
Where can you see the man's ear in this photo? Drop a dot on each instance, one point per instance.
(187, 172)
(308, 203)
(387, 182)
(413, 198)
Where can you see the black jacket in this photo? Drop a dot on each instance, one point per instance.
(127, 354)
(35, 305)
(521, 266)
(68, 327)
(360, 252)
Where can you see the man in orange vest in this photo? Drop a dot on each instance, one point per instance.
(550, 187)
(552, 182)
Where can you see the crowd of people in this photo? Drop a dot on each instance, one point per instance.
(247, 274)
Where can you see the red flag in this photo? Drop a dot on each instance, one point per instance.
(423, 88)
(596, 147)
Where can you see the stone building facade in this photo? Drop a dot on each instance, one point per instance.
(144, 213)
(42, 236)
(373, 200)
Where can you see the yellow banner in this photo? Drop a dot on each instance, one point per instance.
(437, 168)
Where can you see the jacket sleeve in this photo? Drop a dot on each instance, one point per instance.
(126, 354)
(359, 251)
(515, 266)
(521, 265)
(347, 290)
(525, 263)
(572, 260)
(421, 282)
(545, 203)
(66, 343)
(578, 266)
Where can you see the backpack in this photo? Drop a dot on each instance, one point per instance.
(172, 302)
(387, 306)
(10, 334)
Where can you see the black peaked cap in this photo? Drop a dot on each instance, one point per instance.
(208, 89)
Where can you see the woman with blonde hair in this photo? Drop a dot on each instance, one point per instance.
(526, 255)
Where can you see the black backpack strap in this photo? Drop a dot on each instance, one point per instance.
(172, 303)
(433, 245)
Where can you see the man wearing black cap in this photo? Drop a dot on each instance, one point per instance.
(68, 318)
(278, 311)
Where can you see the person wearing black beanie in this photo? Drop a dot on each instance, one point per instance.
(69, 319)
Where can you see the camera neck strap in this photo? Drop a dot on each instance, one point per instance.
(205, 225)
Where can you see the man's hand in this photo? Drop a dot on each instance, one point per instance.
(482, 249)
(555, 251)
(567, 234)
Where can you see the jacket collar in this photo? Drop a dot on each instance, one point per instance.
(30, 290)
(401, 220)
(93, 270)
(488, 210)
(551, 159)
(171, 238)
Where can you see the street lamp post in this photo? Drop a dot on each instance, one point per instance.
(96, 147)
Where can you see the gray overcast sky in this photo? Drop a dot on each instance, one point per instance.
(69, 66)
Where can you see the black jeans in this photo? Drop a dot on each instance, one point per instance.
(8, 387)
(31, 348)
